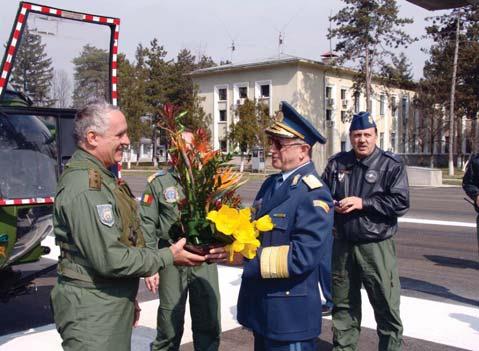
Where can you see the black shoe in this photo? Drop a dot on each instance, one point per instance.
(327, 310)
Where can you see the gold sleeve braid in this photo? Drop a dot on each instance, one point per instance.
(274, 262)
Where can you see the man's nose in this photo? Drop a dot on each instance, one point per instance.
(125, 140)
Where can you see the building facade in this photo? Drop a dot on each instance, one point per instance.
(321, 92)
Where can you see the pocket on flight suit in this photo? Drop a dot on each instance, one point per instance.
(101, 314)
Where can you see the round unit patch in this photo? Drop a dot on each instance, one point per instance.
(171, 194)
(371, 176)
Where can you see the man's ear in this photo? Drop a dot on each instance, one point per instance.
(91, 138)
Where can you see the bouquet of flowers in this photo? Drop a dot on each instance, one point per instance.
(208, 213)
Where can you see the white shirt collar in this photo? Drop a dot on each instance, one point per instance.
(287, 174)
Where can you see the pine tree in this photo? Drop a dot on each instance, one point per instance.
(91, 76)
(366, 31)
(32, 72)
(398, 73)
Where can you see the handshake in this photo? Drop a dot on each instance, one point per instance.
(181, 257)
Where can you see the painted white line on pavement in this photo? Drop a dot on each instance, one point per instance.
(436, 222)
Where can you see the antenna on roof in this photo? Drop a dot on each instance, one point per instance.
(233, 49)
(280, 43)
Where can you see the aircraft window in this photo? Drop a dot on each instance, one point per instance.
(27, 157)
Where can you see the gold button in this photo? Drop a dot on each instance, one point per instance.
(287, 292)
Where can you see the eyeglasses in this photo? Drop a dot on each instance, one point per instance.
(279, 146)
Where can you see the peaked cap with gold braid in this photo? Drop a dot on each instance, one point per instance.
(290, 124)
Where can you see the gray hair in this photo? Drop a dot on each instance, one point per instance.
(92, 117)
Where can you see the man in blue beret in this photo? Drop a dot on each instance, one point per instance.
(370, 191)
(279, 297)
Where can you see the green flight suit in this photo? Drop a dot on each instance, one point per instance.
(98, 270)
(159, 212)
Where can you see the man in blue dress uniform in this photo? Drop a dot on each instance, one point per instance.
(279, 297)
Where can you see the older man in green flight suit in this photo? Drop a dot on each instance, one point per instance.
(102, 247)
(159, 213)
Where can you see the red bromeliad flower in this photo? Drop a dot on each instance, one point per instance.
(202, 172)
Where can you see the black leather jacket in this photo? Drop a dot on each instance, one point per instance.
(470, 181)
(381, 181)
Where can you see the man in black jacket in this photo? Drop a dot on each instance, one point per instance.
(470, 184)
(370, 191)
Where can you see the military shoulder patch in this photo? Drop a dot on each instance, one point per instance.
(161, 172)
(171, 194)
(94, 179)
(147, 199)
(105, 213)
(322, 204)
(312, 181)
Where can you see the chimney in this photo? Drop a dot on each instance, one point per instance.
(329, 58)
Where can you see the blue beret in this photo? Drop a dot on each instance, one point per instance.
(290, 124)
(362, 120)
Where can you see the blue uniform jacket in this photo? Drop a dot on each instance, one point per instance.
(279, 295)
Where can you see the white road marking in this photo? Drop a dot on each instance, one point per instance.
(436, 222)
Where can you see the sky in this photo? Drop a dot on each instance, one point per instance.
(211, 27)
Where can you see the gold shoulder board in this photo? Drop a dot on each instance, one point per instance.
(312, 181)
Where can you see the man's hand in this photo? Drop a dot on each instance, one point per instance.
(238, 259)
(217, 255)
(182, 257)
(153, 282)
(349, 204)
(136, 316)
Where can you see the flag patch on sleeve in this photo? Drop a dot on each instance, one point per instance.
(147, 199)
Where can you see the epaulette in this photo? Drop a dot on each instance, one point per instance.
(392, 156)
(160, 173)
(94, 179)
(339, 154)
(312, 181)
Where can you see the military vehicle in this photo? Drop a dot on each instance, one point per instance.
(55, 61)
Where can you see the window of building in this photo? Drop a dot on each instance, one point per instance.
(356, 101)
(382, 104)
(243, 92)
(222, 115)
(264, 90)
(343, 146)
(222, 94)
(223, 145)
(393, 142)
(394, 106)
(404, 109)
(343, 94)
(343, 116)
(329, 115)
(329, 92)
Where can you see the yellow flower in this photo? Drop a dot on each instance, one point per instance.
(264, 224)
(226, 219)
(249, 250)
(246, 212)
(244, 231)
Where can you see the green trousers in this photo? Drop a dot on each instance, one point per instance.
(201, 285)
(372, 265)
(92, 319)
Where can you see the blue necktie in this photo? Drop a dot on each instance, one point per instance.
(277, 183)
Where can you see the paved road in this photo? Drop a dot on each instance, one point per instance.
(436, 262)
